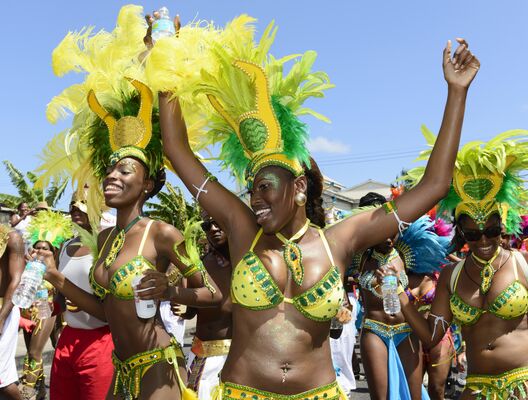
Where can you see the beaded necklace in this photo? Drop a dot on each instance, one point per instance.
(118, 242)
(487, 271)
(292, 253)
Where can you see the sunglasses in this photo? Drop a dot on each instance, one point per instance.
(475, 235)
(207, 225)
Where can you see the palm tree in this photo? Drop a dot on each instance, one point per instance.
(27, 192)
(172, 208)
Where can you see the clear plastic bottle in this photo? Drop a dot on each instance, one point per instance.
(41, 302)
(389, 291)
(30, 281)
(163, 26)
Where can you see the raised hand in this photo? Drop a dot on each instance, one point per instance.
(461, 68)
(150, 20)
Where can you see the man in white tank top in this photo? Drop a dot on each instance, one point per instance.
(82, 366)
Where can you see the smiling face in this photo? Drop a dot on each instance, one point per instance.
(125, 183)
(485, 247)
(273, 197)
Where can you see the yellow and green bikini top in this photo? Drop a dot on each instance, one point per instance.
(253, 287)
(121, 281)
(511, 303)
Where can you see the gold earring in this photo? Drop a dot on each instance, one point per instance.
(300, 199)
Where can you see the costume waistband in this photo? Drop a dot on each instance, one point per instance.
(233, 391)
(210, 348)
(130, 372)
(499, 387)
(385, 330)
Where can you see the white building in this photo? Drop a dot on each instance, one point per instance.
(337, 197)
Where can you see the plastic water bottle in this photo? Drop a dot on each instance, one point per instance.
(163, 26)
(389, 289)
(43, 308)
(30, 281)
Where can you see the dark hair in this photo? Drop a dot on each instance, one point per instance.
(159, 182)
(372, 199)
(314, 201)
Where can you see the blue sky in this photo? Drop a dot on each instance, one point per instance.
(383, 56)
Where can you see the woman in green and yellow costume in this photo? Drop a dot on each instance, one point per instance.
(286, 284)
(487, 293)
(117, 140)
(46, 231)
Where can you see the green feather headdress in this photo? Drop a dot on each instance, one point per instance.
(257, 105)
(49, 226)
(486, 179)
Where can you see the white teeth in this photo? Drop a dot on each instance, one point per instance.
(259, 213)
(111, 186)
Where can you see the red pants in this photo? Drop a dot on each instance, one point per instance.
(82, 367)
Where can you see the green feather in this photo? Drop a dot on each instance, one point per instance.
(99, 140)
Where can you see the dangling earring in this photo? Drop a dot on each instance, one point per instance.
(300, 199)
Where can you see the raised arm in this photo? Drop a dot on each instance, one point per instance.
(15, 249)
(235, 218)
(369, 228)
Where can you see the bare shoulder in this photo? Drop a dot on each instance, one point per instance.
(445, 275)
(162, 231)
(102, 236)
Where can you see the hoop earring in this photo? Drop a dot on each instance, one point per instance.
(300, 199)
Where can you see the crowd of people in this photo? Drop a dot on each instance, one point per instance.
(277, 286)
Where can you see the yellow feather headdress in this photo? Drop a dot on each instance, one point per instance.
(486, 179)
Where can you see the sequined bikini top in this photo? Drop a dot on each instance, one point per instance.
(511, 303)
(253, 287)
(120, 285)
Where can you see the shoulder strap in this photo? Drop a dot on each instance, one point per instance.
(257, 237)
(105, 242)
(455, 274)
(144, 238)
(520, 261)
(327, 247)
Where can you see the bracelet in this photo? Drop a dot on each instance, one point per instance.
(174, 277)
(400, 290)
(390, 207)
(193, 269)
(200, 190)
(404, 279)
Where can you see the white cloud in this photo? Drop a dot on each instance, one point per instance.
(320, 144)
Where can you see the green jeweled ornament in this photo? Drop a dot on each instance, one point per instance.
(118, 242)
(487, 272)
(292, 253)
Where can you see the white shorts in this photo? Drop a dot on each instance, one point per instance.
(206, 373)
(8, 346)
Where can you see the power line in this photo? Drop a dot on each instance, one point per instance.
(358, 160)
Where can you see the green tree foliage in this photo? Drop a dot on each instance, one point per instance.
(172, 207)
(24, 184)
